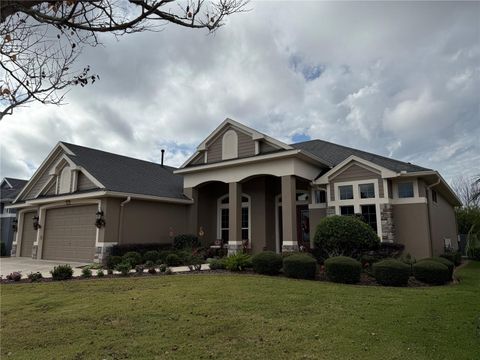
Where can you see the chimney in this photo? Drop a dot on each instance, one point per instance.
(163, 152)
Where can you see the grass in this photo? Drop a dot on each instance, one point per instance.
(239, 317)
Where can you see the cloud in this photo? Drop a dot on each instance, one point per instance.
(400, 79)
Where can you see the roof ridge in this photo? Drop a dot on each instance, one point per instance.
(118, 155)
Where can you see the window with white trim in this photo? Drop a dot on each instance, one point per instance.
(369, 214)
(367, 191)
(223, 224)
(346, 192)
(65, 180)
(320, 196)
(405, 189)
(347, 210)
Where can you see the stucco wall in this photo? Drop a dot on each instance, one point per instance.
(443, 223)
(412, 229)
(316, 215)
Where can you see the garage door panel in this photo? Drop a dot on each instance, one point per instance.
(70, 233)
(29, 234)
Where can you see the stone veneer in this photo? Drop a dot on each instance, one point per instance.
(34, 251)
(102, 252)
(13, 251)
(234, 248)
(386, 218)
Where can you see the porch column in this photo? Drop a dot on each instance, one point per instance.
(235, 218)
(289, 213)
(192, 212)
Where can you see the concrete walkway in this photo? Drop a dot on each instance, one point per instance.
(26, 265)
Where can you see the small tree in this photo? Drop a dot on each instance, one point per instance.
(344, 235)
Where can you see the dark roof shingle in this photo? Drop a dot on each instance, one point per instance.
(9, 194)
(333, 154)
(126, 174)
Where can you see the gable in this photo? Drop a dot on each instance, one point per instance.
(354, 171)
(216, 149)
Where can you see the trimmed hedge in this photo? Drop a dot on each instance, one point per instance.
(62, 272)
(217, 264)
(120, 250)
(344, 235)
(113, 261)
(342, 269)
(454, 256)
(443, 261)
(391, 272)
(133, 258)
(186, 241)
(267, 263)
(151, 255)
(431, 272)
(173, 260)
(300, 266)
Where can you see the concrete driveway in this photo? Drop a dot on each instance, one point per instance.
(27, 265)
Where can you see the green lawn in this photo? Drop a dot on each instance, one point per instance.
(239, 317)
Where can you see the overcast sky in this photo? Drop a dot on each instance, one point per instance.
(397, 79)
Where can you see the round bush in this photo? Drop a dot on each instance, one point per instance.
(300, 266)
(267, 263)
(133, 258)
(453, 256)
(113, 261)
(391, 272)
(62, 272)
(344, 235)
(151, 255)
(431, 272)
(342, 269)
(173, 260)
(443, 261)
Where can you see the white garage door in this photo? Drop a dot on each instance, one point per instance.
(70, 233)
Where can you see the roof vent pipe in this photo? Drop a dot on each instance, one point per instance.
(163, 152)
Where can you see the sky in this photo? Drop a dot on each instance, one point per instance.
(397, 79)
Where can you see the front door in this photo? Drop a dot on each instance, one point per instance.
(303, 226)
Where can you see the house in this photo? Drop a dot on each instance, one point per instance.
(9, 189)
(241, 187)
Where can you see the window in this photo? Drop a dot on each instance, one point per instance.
(223, 225)
(65, 179)
(320, 196)
(229, 145)
(369, 213)
(405, 190)
(367, 191)
(434, 196)
(346, 192)
(347, 210)
(302, 196)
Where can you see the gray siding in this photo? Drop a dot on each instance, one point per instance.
(199, 159)
(84, 183)
(266, 148)
(246, 146)
(354, 173)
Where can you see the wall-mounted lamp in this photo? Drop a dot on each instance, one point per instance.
(99, 220)
(15, 225)
(36, 224)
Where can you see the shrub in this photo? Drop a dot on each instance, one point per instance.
(151, 255)
(14, 276)
(342, 269)
(173, 260)
(267, 262)
(443, 261)
(217, 264)
(149, 264)
(168, 271)
(194, 263)
(391, 272)
(431, 272)
(3, 249)
(344, 235)
(120, 250)
(113, 261)
(35, 276)
(124, 268)
(300, 266)
(100, 273)
(110, 271)
(238, 262)
(151, 270)
(132, 257)
(86, 272)
(185, 241)
(62, 272)
(474, 253)
(454, 256)
(162, 268)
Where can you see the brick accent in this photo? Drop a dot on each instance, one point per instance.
(388, 226)
(102, 252)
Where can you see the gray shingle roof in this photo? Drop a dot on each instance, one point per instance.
(129, 175)
(333, 154)
(9, 194)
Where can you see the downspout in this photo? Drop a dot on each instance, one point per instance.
(429, 214)
(120, 223)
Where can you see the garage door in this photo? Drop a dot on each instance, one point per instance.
(29, 234)
(70, 234)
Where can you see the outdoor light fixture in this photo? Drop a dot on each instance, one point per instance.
(36, 224)
(15, 225)
(99, 220)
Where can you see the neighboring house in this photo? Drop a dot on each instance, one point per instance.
(9, 189)
(241, 187)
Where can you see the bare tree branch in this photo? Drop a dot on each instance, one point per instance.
(41, 40)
